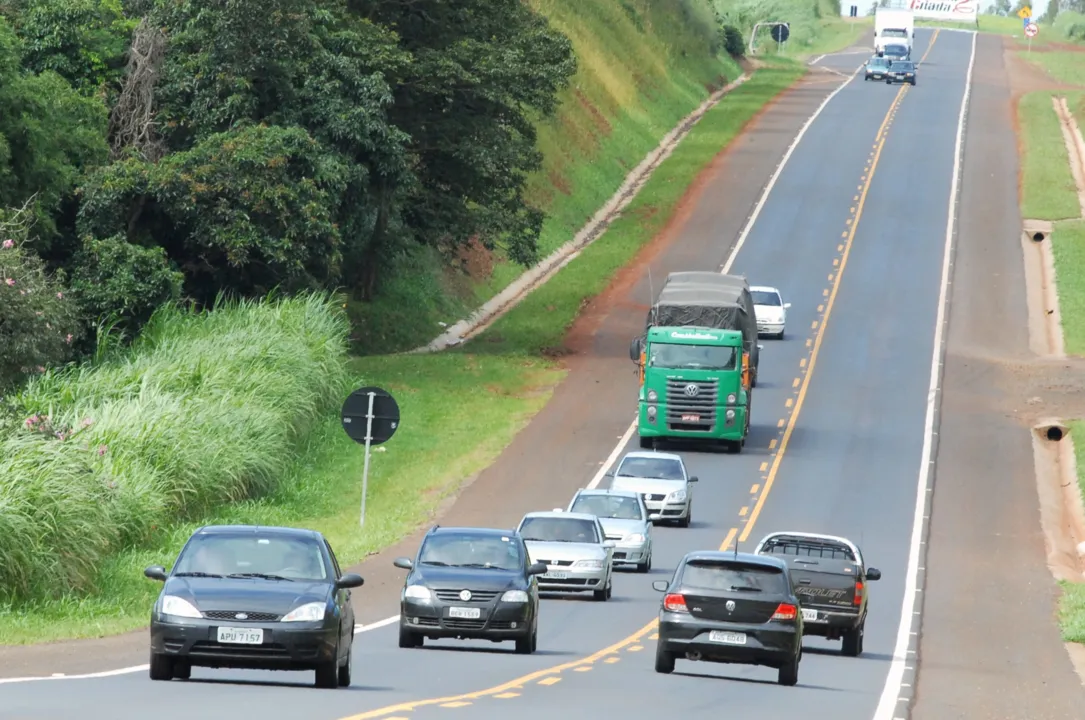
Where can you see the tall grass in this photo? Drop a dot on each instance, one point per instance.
(205, 408)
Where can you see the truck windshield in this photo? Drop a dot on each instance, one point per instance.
(891, 32)
(692, 357)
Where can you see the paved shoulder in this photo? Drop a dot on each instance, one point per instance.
(989, 646)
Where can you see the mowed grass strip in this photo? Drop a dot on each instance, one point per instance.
(459, 409)
(1048, 191)
(1068, 248)
(1072, 597)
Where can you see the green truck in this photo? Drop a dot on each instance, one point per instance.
(695, 385)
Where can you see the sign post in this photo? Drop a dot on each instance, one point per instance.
(381, 413)
(1031, 29)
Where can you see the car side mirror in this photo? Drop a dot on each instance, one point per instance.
(693, 479)
(403, 563)
(538, 569)
(350, 580)
(787, 305)
(654, 517)
(760, 346)
(873, 574)
(635, 348)
(609, 544)
(660, 585)
(155, 572)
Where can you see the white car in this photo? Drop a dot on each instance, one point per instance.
(771, 311)
(662, 480)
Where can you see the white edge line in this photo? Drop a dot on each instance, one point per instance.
(595, 481)
(887, 705)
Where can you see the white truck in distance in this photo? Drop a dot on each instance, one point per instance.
(893, 26)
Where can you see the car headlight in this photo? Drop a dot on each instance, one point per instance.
(677, 496)
(652, 396)
(732, 399)
(173, 605)
(636, 538)
(514, 596)
(309, 612)
(418, 592)
(589, 563)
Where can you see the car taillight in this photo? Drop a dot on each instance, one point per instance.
(675, 603)
(858, 593)
(785, 611)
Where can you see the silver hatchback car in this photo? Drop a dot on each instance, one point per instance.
(626, 520)
(662, 480)
(575, 550)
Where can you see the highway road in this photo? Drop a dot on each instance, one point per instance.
(853, 232)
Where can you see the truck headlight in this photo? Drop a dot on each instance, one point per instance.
(730, 414)
(651, 412)
(732, 399)
(652, 396)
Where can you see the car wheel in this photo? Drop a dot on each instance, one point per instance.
(913, 83)
(527, 645)
(684, 522)
(853, 641)
(664, 660)
(789, 674)
(645, 566)
(408, 639)
(327, 674)
(346, 667)
(161, 667)
(182, 671)
(780, 336)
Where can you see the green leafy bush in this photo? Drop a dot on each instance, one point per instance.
(38, 321)
(204, 408)
(733, 42)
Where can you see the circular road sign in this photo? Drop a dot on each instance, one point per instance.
(780, 33)
(385, 415)
(1031, 29)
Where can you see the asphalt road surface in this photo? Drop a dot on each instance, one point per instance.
(852, 232)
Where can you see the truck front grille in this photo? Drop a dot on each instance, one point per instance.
(697, 411)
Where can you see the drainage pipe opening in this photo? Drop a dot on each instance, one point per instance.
(1037, 237)
(1053, 433)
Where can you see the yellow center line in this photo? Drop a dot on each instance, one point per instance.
(770, 479)
(548, 676)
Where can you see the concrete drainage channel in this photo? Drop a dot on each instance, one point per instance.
(1062, 513)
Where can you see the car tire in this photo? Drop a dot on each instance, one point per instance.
(780, 335)
(789, 673)
(853, 641)
(684, 522)
(913, 83)
(182, 670)
(161, 667)
(408, 639)
(528, 645)
(604, 594)
(664, 660)
(327, 674)
(346, 667)
(646, 565)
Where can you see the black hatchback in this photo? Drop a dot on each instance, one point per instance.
(261, 598)
(901, 71)
(730, 608)
(471, 584)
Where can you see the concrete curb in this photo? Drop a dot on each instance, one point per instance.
(547, 268)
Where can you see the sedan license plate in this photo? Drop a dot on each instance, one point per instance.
(691, 418)
(728, 638)
(241, 636)
(809, 614)
(465, 613)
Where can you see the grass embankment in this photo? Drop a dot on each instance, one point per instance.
(816, 26)
(1048, 191)
(1072, 599)
(459, 408)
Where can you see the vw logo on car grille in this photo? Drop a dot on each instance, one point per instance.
(465, 595)
(692, 390)
(242, 616)
(730, 606)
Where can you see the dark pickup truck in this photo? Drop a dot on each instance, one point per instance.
(829, 578)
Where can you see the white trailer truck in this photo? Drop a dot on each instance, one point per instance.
(893, 26)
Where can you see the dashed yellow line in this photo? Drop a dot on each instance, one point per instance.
(506, 696)
(764, 466)
(455, 704)
(788, 403)
(795, 382)
(612, 660)
(550, 680)
(745, 509)
(755, 487)
(729, 539)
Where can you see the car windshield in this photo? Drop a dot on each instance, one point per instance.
(731, 577)
(551, 529)
(692, 357)
(896, 50)
(273, 557)
(616, 507)
(763, 297)
(879, 62)
(650, 467)
(469, 550)
(901, 67)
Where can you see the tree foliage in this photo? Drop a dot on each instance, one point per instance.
(194, 147)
